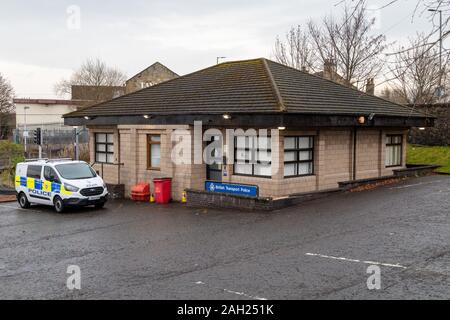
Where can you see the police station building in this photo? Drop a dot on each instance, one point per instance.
(312, 133)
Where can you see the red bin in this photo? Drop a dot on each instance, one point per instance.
(141, 192)
(163, 190)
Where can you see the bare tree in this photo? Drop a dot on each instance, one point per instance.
(296, 50)
(6, 106)
(393, 94)
(416, 71)
(348, 41)
(93, 72)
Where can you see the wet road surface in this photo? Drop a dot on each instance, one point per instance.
(318, 250)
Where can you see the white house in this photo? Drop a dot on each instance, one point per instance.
(43, 112)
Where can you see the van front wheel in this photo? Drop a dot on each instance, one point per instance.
(23, 201)
(59, 204)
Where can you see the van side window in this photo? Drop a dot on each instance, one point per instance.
(34, 172)
(50, 175)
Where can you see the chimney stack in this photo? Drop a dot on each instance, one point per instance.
(329, 69)
(370, 86)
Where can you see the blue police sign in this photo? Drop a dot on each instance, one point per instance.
(236, 189)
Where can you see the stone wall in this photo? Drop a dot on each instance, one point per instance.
(333, 160)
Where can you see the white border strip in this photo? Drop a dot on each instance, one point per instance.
(356, 260)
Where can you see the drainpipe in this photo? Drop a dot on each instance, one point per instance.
(118, 157)
(354, 152)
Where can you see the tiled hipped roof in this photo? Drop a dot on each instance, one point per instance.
(251, 86)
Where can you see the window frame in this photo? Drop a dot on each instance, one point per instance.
(390, 144)
(252, 164)
(56, 180)
(149, 151)
(297, 150)
(106, 144)
(34, 177)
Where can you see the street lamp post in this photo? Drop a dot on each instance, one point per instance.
(25, 132)
(440, 49)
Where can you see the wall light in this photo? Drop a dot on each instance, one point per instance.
(146, 116)
(87, 118)
(362, 120)
(226, 116)
(421, 128)
(281, 128)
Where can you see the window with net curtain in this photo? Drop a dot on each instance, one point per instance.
(298, 156)
(394, 149)
(104, 147)
(154, 152)
(253, 156)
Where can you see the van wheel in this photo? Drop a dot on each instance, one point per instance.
(59, 204)
(23, 201)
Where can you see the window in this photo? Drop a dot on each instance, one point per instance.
(104, 147)
(34, 172)
(146, 84)
(154, 152)
(394, 149)
(76, 171)
(253, 156)
(298, 156)
(50, 175)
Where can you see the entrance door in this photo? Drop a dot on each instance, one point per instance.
(214, 170)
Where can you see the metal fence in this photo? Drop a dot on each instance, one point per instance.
(56, 142)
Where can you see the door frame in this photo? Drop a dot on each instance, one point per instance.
(209, 167)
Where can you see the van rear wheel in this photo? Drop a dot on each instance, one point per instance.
(59, 204)
(23, 201)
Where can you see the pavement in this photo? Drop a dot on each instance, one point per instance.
(318, 250)
(7, 198)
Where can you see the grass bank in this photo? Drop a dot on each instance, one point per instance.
(429, 155)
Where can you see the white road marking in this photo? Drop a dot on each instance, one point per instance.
(233, 292)
(356, 260)
(415, 184)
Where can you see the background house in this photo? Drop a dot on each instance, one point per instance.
(58, 139)
(93, 94)
(152, 75)
(43, 112)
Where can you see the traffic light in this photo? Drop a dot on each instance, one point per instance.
(37, 137)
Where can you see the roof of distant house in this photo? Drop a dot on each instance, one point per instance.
(250, 86)
(48, 101)
(156, 64)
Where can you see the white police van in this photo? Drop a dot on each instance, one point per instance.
(60, 183)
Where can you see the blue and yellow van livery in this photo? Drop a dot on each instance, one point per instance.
(41, 185)
(60, 183)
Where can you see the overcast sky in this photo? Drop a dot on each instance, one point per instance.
(41, 42)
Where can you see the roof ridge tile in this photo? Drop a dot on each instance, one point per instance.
(274, 86)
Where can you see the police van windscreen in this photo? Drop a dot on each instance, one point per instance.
(75, 171)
